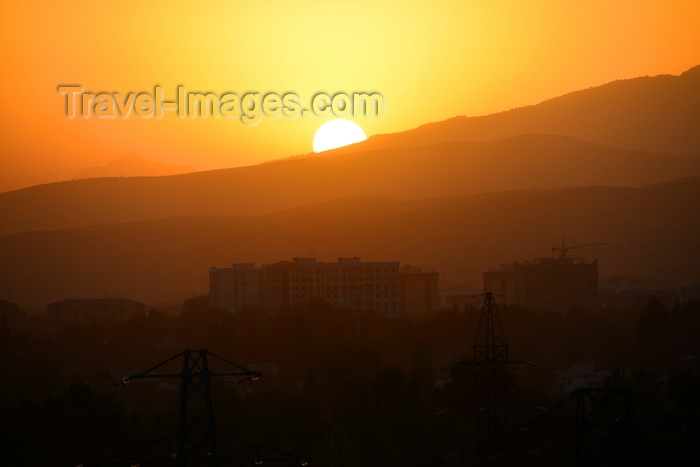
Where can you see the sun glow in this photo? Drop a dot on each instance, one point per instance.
(337, 133)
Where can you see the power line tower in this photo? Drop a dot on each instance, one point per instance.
(607, 423)
(196, 440)
(491, 387)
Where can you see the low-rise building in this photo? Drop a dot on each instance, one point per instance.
(196, 304)
(12, 315)
(464, 297)
(103, 311)
(581, 375)
(690, 291)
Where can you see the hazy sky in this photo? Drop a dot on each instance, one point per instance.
(429, 60)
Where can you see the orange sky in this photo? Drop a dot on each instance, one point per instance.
(430, 61)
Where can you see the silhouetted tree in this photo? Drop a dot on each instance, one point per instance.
(652, 331)
(420, 384)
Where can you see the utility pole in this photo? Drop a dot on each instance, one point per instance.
(491, 387)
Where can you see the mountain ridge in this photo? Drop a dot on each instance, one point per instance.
(654, 113)
(648, 231)
(134, 165)
(444, 169)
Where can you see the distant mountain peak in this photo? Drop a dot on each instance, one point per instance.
(135, 165)
(131, 157)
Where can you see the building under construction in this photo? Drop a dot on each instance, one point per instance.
(548, 284)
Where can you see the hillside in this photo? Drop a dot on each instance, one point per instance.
(447, 169)
(657, 114)
(650, 232)
(134, 165)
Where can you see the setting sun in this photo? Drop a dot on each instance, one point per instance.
(337, 133)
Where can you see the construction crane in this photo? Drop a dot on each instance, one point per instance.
(565, 248)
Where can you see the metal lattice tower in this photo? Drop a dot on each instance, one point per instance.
(606, 422)
(196, 438)
(491, 386)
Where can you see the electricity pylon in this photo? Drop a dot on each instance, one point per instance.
(491, 386)
(607, 421)
(196, 437)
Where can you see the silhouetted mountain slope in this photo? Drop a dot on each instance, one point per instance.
(135, 165)
(650, 232)
(447, 169)
(659, 114)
